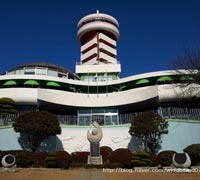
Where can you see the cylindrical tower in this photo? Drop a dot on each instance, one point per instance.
(92, 24)
(98, 35)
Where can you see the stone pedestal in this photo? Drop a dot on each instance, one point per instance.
(94, 157)
(94, 149)
(8, 170)
(95, 160)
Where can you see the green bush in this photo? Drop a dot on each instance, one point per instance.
(7, 101)
(22, 161)
(135, 157)
(12, 111)
(7, 106)
(40, 159)
(51, 161)
(148, 161)
(142, 164)
(135, 161)
(165, 157)
(142, 154)
(8, 111)
(141, 158)
(194, 153)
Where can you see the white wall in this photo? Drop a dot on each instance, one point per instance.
(74, 138)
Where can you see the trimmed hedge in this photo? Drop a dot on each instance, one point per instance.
(194, 153)
(122, 156)
(51, 160)
(22, 161)
(6, 100)
(165, 157)
(106, 152)
(39, 159)
(80, 157)
(141, 158)
(64, 159)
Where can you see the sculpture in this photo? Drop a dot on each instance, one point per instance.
(96, 134)
(94, 138)
(181, 160)
(8, 161)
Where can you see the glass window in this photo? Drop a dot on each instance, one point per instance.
(19, 71)
(52, 73)
(29, 71)
(98, 111)
(12, 72)
(81, 120)
(115, 119)
(87, 120)
(108, 120)
(41, 71)
(111, 110)
(101, 115)
(98, 118)
(84, 111)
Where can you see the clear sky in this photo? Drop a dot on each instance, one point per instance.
(152, 32)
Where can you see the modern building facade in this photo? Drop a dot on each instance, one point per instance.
(97, 93)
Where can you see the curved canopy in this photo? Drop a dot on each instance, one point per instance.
(31, 82)
(9, 83)
(142, 81)
(186, 78)
(52, 83)
(164, 78)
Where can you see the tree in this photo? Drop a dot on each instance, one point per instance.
(7, 106)
(149, 126)
(188, 66)
(190, 63)
(37, 126)
(7, 110)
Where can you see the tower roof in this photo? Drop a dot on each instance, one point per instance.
(97, 22)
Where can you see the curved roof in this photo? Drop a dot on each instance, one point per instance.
(98, 15)
(44, 64)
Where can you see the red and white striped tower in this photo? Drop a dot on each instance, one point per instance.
(98, 34)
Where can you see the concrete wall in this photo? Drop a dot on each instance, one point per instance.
(74, 138)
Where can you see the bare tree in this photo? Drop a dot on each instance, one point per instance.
(189, 63)
(188, 66)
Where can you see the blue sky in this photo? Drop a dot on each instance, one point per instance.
(152, 32)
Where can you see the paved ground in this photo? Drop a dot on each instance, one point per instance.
(94, 174)
(90, 175)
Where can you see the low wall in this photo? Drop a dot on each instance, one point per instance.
(74, 138)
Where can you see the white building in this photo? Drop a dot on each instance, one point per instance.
(96, 93)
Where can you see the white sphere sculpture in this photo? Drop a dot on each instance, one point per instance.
(8, 161)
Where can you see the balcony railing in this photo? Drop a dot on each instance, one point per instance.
(165, 112)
